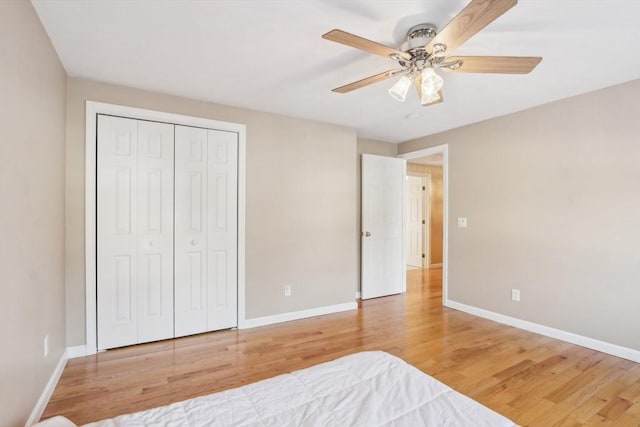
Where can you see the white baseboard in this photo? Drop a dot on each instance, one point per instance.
(358, 295)
(77, 351)
(41, 405)
(592, 343)
(81, 350)
(296, 315)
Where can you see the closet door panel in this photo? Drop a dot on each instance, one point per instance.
(134, 231)
(117, 214)
(155, 231)
(222, 212)
(191, 228)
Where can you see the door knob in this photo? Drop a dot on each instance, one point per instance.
(151, 243)
(367, 234)
(194, 242)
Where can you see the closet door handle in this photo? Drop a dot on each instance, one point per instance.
(194, 242)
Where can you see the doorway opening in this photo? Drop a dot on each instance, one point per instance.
(424, 212)
(426, 207)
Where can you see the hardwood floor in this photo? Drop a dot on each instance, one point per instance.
(529, 378)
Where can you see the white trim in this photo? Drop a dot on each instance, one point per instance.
(296, 315)
(77, 351)
(242, 179)
(358, 294)
(41, 405)
(90, 226)
(444, 149)
(592, 343)
(426, 216)
(94, 108)
(403, 206)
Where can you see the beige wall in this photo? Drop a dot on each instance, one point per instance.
(299, 203)
(32, 120)
(435, 208)
(368, 146)
(552, 196)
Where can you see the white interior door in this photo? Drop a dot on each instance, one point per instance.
(205, 230)
(222, 278)
(415, 221)
(155, 231)
(134, 231)
(190, 230)
(383, 265)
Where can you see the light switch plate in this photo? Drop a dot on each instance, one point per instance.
(462, 222)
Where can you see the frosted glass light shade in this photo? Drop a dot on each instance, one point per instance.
(430, 85)
(399, 90)
(430, 98)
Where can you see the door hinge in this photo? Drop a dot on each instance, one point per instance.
(422, 255)
(424, 188)
(423, 222)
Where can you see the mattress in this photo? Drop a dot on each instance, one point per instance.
(363, 389)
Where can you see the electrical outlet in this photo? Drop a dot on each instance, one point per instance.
(287, 290)
(462, 222)
(515, 295)
(46, 345)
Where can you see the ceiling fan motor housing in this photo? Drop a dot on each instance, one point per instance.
(418, 36)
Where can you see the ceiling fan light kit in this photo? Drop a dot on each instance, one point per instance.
(427, 82)
(425, 49)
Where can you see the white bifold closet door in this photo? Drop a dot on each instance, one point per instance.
(135, 231)
(206, 212)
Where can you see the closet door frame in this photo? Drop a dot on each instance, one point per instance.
(92, 111)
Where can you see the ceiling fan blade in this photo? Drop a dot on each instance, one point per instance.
(493, 64)
(358, 42)
(367, 81)
(473, 18)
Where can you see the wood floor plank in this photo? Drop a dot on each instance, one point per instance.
(532, 379)
(582, 414)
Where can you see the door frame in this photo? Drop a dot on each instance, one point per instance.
(444, 150)
(92, 110)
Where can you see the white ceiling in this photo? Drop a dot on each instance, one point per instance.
(269, 55)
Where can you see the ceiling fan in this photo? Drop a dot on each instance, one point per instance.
(426, 48)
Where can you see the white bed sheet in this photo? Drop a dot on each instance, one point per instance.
(364, 389)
